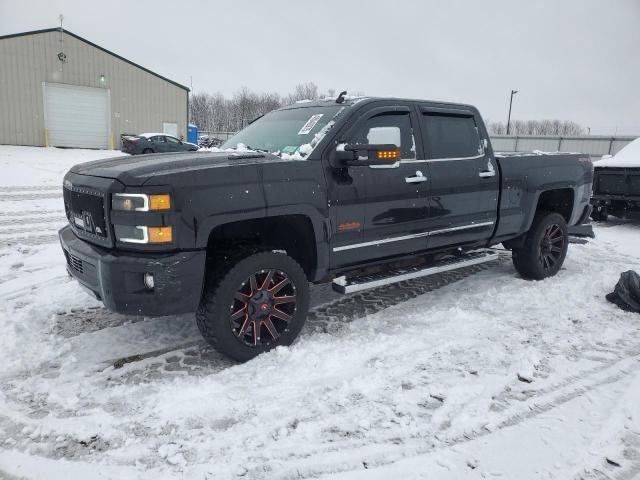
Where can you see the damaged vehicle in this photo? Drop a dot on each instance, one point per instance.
(360, 192)
(616, 186)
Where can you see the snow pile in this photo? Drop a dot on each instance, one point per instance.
(628, 157)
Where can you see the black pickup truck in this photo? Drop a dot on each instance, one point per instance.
(362, 192)
(616, 185)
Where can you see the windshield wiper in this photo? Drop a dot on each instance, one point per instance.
(261, 150)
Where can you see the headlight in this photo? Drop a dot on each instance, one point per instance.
(143, 234)
(140, 202)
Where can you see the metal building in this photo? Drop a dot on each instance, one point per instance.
(58, 89)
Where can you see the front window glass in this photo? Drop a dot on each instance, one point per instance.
(387, 129)
(172, 140)
(286, 132)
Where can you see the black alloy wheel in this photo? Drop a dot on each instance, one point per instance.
(551, 247)
(254, 299)
(544, 249)
(262, 308)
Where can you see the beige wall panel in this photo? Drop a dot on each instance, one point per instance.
(140, 101)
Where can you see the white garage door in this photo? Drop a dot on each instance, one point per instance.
(76, 116)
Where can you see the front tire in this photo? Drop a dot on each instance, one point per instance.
(252, 303)
(544, 249)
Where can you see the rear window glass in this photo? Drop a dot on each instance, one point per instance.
(448, 136)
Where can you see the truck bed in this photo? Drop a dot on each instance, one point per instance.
(526, 174)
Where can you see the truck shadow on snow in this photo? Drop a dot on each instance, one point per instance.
(148, 349)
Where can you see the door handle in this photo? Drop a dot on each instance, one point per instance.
(417, 178)
(489, 172)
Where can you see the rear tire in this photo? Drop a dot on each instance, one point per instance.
(545, 247)
(253, 288)
(600, 215)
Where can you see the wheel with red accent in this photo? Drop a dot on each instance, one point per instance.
(253, 303)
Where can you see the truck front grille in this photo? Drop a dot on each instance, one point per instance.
(85, 211)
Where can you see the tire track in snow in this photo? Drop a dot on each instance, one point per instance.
(30, 240)
(28, 213)
(36, 220)
(36, 228)
(24, 188)
(30, 196)
(523, 411)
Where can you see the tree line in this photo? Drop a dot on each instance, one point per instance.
(217, 113)
(537, 127)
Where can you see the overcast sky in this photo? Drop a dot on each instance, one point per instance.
(570, 59)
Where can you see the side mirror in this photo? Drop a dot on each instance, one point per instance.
(363, 155)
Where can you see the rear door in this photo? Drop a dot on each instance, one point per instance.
(380, 211)
(463, 188)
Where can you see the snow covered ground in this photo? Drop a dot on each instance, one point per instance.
(471, 374)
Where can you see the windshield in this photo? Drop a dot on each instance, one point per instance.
(286, 132)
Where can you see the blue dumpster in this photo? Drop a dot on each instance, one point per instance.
(192, 134)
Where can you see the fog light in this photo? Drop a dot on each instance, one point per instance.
(149, 281)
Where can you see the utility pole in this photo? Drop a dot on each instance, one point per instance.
(513, 92)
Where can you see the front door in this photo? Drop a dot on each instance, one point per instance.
(380, 211)
(159, 143)
(463, 192)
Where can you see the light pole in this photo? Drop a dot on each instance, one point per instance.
(513, 92)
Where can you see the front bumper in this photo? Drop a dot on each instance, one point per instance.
(116, 278)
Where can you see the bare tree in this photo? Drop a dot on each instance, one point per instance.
(303, 91)
(215, 113)
(537, 127)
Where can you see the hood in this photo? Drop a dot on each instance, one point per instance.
(138, 169)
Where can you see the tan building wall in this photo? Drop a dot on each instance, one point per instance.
(140, 100)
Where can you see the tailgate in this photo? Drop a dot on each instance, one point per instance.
(617, 181)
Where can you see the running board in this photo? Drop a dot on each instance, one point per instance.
(346, 285)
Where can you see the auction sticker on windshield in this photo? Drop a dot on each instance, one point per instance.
(307, 127)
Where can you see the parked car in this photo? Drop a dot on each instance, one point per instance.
(360, 192)
(154, 143)
(616, 186)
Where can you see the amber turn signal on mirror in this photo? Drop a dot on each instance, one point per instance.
(388, 154)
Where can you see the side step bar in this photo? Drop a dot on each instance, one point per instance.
(346, 285)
